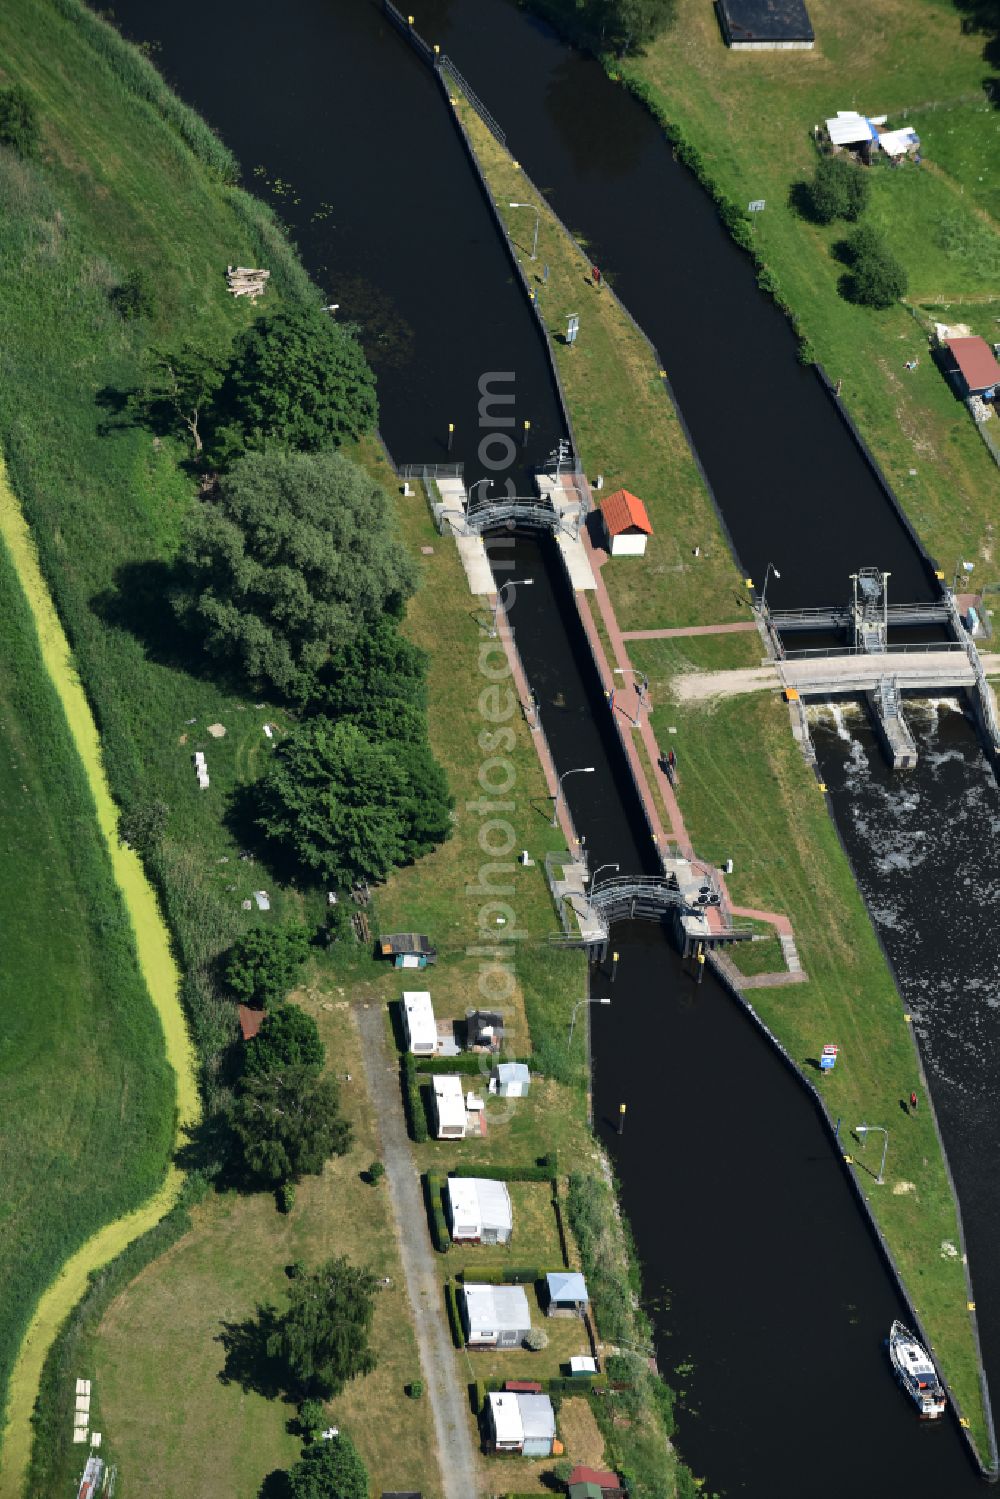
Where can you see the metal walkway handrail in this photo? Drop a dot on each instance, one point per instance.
(447, 66)
(526, 512)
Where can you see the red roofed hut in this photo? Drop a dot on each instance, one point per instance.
(250, 1021)
(975, 369)
(586, 1482)
(626, 524)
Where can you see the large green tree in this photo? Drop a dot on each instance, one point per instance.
(876, 278)
(181, 383)
(288, 1124)
(288, 1037)
(298, 379)
(839, 190)
(294, 558)
(263, 965)
(322, 1340)
(378, 664)
(329, 1470)
(340, 804)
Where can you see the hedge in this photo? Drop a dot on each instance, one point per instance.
(513, 1275)
(467, 1062)
(433, 1186)
(454, 1317)
(558, 1384)
(416, 1114)
(509, 1173)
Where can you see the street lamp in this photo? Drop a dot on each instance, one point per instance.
(767, 573)
(535, 211)
(510, 583)
(864, 1130)
(641, 688)
(580, 1002)
(593, 877)
(581, 770)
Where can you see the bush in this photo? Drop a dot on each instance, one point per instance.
(413, 1103)
(18, 121)
(535, 1339)
(312, 1419)
(876, 278)
(134, 297)
(376, 1171)
(262, 967)
(298, 380)
(839, 190)
(285, 1197)
(433, 1188)
(415, 1389)
(454, 1316)
(288, 1037)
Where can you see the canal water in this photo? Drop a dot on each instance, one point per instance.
(759, 419)
(763, 1273)
(923, 844)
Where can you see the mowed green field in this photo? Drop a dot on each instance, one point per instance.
(86, 1095)
(752, 116)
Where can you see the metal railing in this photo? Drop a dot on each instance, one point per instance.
(927, 647)
(529, 513)
(427, 471)
(990, 723)
(788, 620)
(413, 36)
(449, 69)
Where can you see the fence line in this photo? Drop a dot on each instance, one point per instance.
(447, 66)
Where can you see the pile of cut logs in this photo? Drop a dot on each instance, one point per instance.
(244, 282)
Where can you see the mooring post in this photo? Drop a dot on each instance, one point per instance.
(621, 1118)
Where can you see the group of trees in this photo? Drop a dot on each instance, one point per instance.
(294, 379)
(619, 26)
(840, 190)
(286, 1115)
(293, 579)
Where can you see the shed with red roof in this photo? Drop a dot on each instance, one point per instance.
(975, 370)
(626, 524)
(250, 1021)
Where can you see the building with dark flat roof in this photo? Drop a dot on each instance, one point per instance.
(765, 24)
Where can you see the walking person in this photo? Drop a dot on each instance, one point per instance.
(913, 1103)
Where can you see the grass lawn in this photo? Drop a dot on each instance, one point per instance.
(751, 117)
(624, 423)
(787, 858)
(196, 1433)
(88, 1096)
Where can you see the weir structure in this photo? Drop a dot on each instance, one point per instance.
(878, 669)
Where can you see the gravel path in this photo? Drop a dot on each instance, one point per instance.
(445, 1385)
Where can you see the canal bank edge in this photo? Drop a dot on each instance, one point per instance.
(162, 978)
(989, 1471)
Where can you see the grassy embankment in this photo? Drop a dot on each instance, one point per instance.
(624, 422)
(751, 117)
(786, 852)
(126, 179)
(88, 1094)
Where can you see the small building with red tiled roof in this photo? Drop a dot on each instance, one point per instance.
(626, 524)
(975, 370)
(250, 1021)
(584, 1482)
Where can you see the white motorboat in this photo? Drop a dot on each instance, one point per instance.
(916, 1373)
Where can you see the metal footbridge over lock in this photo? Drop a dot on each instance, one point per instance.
(686, 895)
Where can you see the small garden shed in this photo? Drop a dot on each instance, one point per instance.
(510, 1080)
(626, 524)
